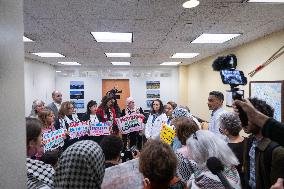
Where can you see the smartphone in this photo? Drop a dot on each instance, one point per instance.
(233, 77)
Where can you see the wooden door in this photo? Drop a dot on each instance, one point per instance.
(120, 85)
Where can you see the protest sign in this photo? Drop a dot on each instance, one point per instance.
(167, 133)
(100, 128)
(79, 129)
(130, 123)
(52, 140)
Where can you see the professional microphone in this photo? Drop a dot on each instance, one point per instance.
(216, 167)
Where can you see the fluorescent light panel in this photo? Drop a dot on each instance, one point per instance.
(47, 54)
(266, 1)
(190, 4)
(112, 37)
(214, 38)
(170, 63)
(58, 71)
(184, 55)
(70, 63)
(25, 39)
(120, 63)
(118, 54)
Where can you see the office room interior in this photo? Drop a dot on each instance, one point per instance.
(164, 46)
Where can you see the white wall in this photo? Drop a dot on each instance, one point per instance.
(137, 79)
(39, 83)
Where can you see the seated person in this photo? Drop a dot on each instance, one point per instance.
(158, 165)
(112, 147)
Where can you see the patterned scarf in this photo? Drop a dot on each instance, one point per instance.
(80, 166)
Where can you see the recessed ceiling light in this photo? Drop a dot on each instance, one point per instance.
(190, 4)
(70, 63)
(121, 63)
(112, 37)
(266, 1)
(46, 54)
(184, 55)
(214, 38)
(58, 71)
(170, 63)
(118, 54)
(25, 39)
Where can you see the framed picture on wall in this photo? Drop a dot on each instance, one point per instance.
(272, 92)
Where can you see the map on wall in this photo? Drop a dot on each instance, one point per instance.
(272, 93)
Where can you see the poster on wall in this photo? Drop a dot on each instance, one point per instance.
(78, 103)
(149, 103)
(153, 93)
(272, 92)
(152, 84)
(76, 84)
(76, 94)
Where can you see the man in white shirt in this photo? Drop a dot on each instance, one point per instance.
(55, 105)
(215, 103)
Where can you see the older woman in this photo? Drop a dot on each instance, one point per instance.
(155, 120)
(133, 138)
(230, 125)
(37, 106)
(80, 166)
(185, 127)
(201, 146)
(39, 174)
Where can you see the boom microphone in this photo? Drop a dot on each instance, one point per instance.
(216, 167)
(225, 63)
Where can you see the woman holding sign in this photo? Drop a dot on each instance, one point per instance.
(133, 138)
(155, 120)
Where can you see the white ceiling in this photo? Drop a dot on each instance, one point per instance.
(160, 28)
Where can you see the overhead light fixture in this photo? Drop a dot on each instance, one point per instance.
(58, 71)
(184, 55)
(266, 1)
(25, 39)
(70, 63)
(214, 38)
(118, 54)
(170, 63)
(112, 37)
(48, 55)
(120, 63)
(190, 4)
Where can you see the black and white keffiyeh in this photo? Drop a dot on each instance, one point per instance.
(39, 174)
(80, 166)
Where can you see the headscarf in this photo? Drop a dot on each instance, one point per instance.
(182, 112)
(80, 166)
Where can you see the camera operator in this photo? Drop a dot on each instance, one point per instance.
(270, 127)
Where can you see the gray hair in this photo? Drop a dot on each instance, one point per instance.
(205, 144)
(34, 105)
(231, 122)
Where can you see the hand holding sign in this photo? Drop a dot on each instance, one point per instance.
(167, 133)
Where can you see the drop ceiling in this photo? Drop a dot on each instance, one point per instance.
(160, 28)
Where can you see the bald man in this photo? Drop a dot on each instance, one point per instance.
(55, 105)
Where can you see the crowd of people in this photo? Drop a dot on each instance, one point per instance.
(253, 162)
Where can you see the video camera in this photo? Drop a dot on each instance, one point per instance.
(113, 93)
(233, 77)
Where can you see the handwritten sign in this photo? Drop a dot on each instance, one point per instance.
(167, 133)
(130, 123)
(98, 129)
(79, 129)
(52, 140)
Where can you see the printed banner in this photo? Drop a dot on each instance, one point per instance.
(167, 133)
(53, 140)
(130, 123)
(77, 130)
(98, 129)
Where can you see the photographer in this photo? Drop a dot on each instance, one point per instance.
(270, 127)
